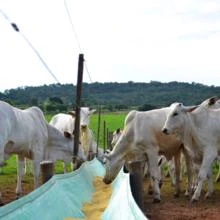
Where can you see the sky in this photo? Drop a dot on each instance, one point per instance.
(122, 40)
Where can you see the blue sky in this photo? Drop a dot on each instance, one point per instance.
(122, 40)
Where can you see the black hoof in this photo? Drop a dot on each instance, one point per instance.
(156, 200)
(176, 195)
(193, 201)
(150, 192)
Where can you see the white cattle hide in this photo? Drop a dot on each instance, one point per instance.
(142, 138)
(199, 129)
(26, 134)
(23, 132)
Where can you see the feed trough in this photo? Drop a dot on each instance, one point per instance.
(71, 196)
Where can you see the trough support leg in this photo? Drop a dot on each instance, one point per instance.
(47, 170)
(136, 182)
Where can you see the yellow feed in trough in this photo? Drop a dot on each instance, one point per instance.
(99, 203)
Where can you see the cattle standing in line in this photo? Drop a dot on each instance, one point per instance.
(142, 139)
(199, 129)
(27, 134)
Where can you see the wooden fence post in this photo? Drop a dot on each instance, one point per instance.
(109, 136)
(47, 170)
(104, 135)
(78, 102)
(99, 121)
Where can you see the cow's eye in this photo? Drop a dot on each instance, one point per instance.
(175, 114)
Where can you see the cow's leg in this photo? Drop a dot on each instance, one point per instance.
(177, 174)
(171, 170)
(209, 156)
(36, 173)
(1, 201)
(20, 172)
(2, 154)
(189, 168)
(154, 172)
(210, 184)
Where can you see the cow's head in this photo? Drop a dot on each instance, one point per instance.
(85, 112)
(175, 118)
(80, 157)
(112, 166)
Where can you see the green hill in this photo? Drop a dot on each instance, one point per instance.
(112, 95)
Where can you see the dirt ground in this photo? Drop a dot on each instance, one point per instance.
(169, 208)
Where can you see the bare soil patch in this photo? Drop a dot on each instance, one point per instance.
(169, 208)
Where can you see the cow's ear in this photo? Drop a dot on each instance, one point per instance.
(67, 134)
(191, 108)
(159, 162)
(92, 111)
(212, 100)
(72, 113)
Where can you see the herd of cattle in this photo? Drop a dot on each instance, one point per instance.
(192, 131)
(174, 133)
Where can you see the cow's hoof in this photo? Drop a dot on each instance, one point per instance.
(217, 179)
(187, 194)
(193, 200)
(207, 195)
(18, 196)
(156, 200)
(150, 192)
(176, 195)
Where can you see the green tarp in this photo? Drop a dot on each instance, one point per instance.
(64, 194)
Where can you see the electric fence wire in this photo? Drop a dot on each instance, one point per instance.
(76, 37)
(15, 28)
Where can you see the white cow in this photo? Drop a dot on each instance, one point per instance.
(162, 161)
(26, 133)
(142, 139)
(198, 128)
(66, 122)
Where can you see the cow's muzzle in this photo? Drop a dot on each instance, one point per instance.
(165, 131)
(83, 127)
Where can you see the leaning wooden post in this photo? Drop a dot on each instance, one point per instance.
(78, 102)
(136, 182)
(97, 147)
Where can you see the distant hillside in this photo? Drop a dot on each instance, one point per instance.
(113, 95)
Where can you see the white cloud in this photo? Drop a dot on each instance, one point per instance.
(122, 40)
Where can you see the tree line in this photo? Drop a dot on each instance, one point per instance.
(112, 96)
